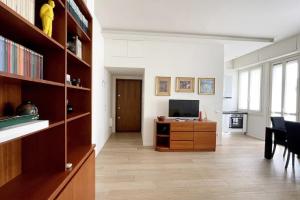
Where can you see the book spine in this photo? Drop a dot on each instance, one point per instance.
(2, 54)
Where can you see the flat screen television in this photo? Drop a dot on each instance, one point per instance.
(183, 108)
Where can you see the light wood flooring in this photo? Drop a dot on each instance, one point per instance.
(237, 170)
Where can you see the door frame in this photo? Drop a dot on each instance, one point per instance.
(113, 98)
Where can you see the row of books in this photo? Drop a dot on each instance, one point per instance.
(25, 8)
(77, 14)
(16, 59)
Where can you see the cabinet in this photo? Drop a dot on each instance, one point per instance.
(82, 186)
(172, 135)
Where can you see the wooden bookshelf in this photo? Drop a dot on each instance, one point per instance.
(34, 166)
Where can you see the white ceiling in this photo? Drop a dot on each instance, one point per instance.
(275, 19)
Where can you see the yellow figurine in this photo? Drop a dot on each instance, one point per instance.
(47, 16)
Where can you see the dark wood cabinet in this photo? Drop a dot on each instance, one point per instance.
(172, 135)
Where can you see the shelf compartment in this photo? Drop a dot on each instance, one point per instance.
(50, 101)
(163, 142)
(78, 138)
(12, 24)
(78, 154)
(75, 28)
(75, 60)
(78, 88)
(80, 100)
(76, 115)
(4, 75)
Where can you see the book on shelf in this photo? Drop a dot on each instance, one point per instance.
(16, 59)
(77, 14)
(75, 45)
(25, 8)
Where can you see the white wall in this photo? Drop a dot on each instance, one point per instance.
(163, 57)
(101, 80)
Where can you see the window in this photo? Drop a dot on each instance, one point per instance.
(284, 96)
(250, 89)
(254, 90)
(243, 90)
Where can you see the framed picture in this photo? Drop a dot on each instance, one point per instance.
(163, 86)
(206, 86)
(185, 84)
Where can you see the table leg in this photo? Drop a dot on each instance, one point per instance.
(268, 143)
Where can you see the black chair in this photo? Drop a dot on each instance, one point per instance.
(280, 133)
(293, 141)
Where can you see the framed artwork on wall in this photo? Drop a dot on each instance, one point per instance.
(206, 86)
(185, 84)
(163, 86)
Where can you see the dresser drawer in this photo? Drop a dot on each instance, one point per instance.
(182, 126)
(205, 126)
(182, 135)
(182, 145)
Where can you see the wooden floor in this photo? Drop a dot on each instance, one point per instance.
(237, 170)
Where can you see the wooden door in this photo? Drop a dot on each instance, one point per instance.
(128, 105)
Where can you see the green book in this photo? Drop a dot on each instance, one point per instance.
(11, 121)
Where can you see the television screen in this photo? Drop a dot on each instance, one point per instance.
(183, 108)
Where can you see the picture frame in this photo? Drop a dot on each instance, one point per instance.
(206, 86)
(185, 84)
(162, 86)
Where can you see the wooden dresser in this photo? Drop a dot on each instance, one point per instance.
(172, 135)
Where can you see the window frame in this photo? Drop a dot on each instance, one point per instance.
(284, 62)
(259, 111)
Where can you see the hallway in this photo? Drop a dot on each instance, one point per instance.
(125, 170)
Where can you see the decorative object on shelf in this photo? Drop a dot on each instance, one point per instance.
(11, 121)
(161, 118)
(185, 84)
(25, 8)
(200, 116)
(68, 79)
(27, 108)
(206, 86)
(75, 45)
(47, 17)
(16, 59)
(76, 82)
(163, 86)
(78, 16)
(69, 107)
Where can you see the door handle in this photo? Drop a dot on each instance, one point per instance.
(119, 117)
(119, 107)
